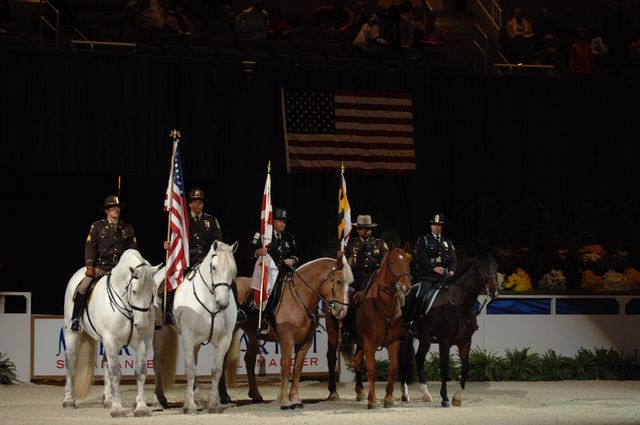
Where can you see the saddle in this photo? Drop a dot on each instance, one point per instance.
(90, 287)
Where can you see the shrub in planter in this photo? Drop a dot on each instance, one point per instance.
(555, 367)
(7, 370)
(486, 366)
(522, 366)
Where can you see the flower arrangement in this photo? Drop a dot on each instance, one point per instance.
(633, 277)
(519, 281)
(614, 281)
(591, 253)
(590, 280)
(554, 280)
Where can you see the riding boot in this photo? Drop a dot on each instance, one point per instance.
(268, 318)
(168, 317)
(241, 315)
(78, 307)
(410, 308)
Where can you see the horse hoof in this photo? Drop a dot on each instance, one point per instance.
(106, 404)
(158, 407)
(68, 404)
(427, 398)
(456, 402)
(359, 397)
(142, 413)
(190, 411)
(371, 406)
(389, 403)
(298, 406)
(405, 399)
(258, 399)
(117, 414)
(334, 396)
(215, 409)
(288, 407)
(226, 400)
(445, 403)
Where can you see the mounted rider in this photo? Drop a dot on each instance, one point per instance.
(364, 254)
(107, 240)
(284, 253)
(434, 263)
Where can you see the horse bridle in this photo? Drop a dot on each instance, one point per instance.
(331, 304)
(128, 289)
(396, 282)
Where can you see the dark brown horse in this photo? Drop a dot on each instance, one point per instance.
(379, 323)
(450, 321)
(296, 318)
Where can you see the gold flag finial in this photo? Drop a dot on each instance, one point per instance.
(174, 134)
(269, 167)
(342, 168)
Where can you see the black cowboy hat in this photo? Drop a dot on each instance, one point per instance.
(111, 201)
(197, 193)
(280, 214)
(364, 222)
(437, 218)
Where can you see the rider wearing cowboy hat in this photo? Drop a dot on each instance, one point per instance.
(434, 261)
(364, 254)
(107, 240)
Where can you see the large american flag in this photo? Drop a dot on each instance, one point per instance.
(371, 132)
(178, 259)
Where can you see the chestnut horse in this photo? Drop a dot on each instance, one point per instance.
(379, 323)
(296, 319)
(450, 321)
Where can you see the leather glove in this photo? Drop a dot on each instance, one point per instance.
(91, 272)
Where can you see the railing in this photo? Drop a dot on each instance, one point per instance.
(45, 21)
(92, 44)
(484, 50)
(495, 16)
(510, 69)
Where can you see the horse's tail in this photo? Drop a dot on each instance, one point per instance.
(407, 359)
(85, 367)
(168, 351)
(233, 357)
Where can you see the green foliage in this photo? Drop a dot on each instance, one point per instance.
(486, 366)
(432, 367)
(522, 366)
(7, 371)
(555, 367)
(610, 362)
(586, 365)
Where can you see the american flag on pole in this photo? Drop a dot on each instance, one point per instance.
(344, 214)
(371, 132)
(178, 258)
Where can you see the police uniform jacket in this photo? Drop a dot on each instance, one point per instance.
(202, 234)
(429, 254)
(106, 242)
(364, 256)
(279, 249)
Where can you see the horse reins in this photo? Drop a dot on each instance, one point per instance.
(330, 304)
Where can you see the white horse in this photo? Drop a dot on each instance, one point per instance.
(120, 312)
(205, 313)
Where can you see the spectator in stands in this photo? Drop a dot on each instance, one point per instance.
(277, 27)
(518, 26)
(144, 15)
(546, 37)
(5, 15)
(177, 21)
(519, 33)
(600, 52)
(433, 35)
(617, 34)
(407, 25)
(334, 17)
(253, 21)
(581, 57)
(368, 42)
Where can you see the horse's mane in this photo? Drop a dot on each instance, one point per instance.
(464, 266)
(347, 275)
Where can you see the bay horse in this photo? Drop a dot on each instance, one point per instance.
(379, 323)
(296, 318)
(119, 312)
(450, 321)
(204, 313)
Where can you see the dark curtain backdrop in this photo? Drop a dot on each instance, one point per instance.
(537, 162)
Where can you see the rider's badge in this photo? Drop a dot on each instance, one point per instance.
(445, 244)
(207, 224)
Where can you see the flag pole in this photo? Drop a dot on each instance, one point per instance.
(175, 138)
(265, 222)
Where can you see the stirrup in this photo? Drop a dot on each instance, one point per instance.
(75, 325)
(410, 327)
(345, 339)
(264, 327)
